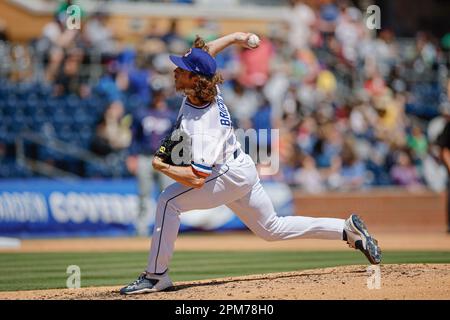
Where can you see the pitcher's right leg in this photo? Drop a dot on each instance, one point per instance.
(255, 209)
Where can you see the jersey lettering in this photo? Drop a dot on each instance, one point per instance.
(225, 119)
(224, 115)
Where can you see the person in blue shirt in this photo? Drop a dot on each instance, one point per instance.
(353, 170)
(150, 126)
(262, 120)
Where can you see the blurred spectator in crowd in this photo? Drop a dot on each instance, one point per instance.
(435, 173)
(262, 123)
(55, 40)
(326, 84)
(362, 118)
(300, 19)
(98, 35)
(383, 54)
(114, 83)
(327, 146)
(404, 173)
(349, 32)
(426, 51)
(150, 126)
(139, 80)
(377, 165)
(172, 34)
(289, 157)
(305, 66)
(308, 177)
(112, 133)
(243, 103)
(307, 134)
(328, 17)
(417, 142)
(390, 110)
(254, 64)
(69, 79)
(352, 169)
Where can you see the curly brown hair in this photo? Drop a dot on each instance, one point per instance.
(205, 88)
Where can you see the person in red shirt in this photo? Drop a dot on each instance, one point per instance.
(255, 64)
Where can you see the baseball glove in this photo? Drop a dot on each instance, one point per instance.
(175, 146)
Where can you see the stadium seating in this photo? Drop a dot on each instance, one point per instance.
(30, 107)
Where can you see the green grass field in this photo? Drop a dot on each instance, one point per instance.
(27, 271)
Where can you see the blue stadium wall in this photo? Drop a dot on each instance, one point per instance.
(38, 208)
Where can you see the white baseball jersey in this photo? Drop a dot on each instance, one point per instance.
(231, 180)
(211, 132)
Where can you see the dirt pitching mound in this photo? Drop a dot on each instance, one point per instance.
(406, 281)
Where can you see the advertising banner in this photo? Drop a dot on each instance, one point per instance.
(49, 208)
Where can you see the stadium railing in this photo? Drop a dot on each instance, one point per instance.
(63, 148)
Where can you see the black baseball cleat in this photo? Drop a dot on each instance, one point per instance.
(147, 283)
(358, 237)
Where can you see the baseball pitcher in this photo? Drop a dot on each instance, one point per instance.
(215, 171)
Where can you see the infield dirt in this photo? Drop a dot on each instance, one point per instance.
(398, 281)
(409, 281)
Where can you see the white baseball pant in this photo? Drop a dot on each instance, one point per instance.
(234, 184)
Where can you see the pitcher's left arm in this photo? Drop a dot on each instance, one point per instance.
(182, 174)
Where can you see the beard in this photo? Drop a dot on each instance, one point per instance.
(181, 89)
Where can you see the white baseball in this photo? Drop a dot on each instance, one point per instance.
(253, 41)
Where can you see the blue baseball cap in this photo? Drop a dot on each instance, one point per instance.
(197, 61)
